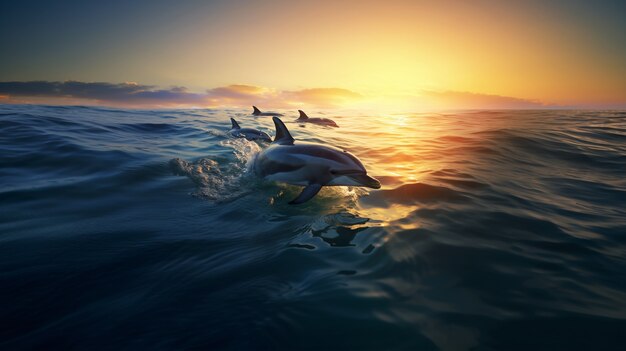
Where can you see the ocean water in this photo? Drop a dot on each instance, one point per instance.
(142, 229)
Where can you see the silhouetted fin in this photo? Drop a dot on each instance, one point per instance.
(235, 124)
(256, 111)
(302, 115)
(283, 136)
(307, 194)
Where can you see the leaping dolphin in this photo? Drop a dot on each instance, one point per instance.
(257, 112)
(248, 133)
(309, 165)
(323, 121)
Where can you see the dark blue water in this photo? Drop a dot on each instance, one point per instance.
(131, 229)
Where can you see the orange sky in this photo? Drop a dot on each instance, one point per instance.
(406, 54)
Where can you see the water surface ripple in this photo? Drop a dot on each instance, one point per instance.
(140, 229)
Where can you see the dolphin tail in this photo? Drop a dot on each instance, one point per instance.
(255, 111)
(307, 194)
(302, 115)
(283, 136)
(235, 124)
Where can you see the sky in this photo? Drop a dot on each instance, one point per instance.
(326, 54)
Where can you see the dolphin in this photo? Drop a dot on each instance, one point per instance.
(257, 112)
(323, 121)
(248, 133)
(310, 165)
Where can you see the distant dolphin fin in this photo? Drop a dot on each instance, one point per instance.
(256, 111)
(307, 194)
(235, 124)
(302, 115)
(283, 136)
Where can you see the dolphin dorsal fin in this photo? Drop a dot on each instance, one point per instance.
(302, 115)
(283, 136)
(256, 111)
(235, 124)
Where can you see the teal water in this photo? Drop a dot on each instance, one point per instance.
(137, 229)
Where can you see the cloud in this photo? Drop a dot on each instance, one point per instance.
(245, 95)
(324, 97)
(133, 94)
(237, 91)
(129, 93)
(467, 100)
(240, 95)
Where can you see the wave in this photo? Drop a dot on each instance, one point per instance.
(145, 229)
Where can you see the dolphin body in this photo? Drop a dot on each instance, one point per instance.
(248, 133)
(310, 165)
(257, 112)
(323, 121)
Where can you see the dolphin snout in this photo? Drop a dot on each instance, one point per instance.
(366, 180)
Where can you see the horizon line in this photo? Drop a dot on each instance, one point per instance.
(141, 96)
